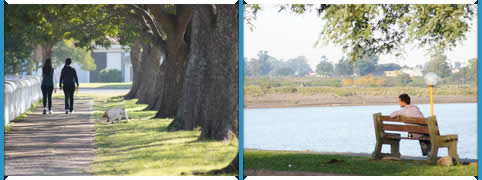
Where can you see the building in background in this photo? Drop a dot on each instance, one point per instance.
(114, 57)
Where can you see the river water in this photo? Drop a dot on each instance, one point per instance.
(350, 128)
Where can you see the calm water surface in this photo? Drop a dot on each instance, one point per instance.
(350, 128)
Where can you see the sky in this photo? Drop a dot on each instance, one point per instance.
(287, 35)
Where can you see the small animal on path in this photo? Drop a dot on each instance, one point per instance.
(115, 114)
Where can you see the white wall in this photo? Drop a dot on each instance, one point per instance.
(114, 61)
(127, 72)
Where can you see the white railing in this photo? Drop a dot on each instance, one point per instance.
(19, 95)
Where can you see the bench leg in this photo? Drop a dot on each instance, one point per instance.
(453, 151)
(395, 148)
(432, 156)
(377, 153)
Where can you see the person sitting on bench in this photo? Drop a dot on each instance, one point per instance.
(412, 111)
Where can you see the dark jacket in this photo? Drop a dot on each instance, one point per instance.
(68, 77)
(48, 79)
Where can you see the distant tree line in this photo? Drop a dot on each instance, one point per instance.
(266, 65)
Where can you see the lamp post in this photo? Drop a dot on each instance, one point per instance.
(431, 79)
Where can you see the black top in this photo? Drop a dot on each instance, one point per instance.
(68, 77)
(48, 79)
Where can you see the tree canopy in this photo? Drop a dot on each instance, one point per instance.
(380, 29)
(30, 27)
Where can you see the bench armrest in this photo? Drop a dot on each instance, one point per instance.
(450, 137)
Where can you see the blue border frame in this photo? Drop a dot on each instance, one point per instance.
(240, 87)
(479, 98)
(2, 85)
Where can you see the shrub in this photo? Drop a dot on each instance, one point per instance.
(110, 75)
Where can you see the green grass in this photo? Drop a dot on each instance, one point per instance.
(113, 85)
(358, 91)
(333, 86)
(144, 146)
(351, 165)
(22, 116)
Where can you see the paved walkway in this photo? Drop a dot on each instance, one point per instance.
(53, 144)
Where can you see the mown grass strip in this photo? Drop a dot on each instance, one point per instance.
(354, 165)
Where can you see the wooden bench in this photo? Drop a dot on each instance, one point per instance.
(412, 125)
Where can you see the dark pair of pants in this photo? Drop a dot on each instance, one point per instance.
(424, 144)
(47, 95)
(69, 97)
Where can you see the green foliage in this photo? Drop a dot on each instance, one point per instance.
(382, 29)
(467, 74)
(66, 48)
(110, 75)
(28, 26)
(439, 65)
(343, 68)
(300, 66)
(361, 29)
(250, 12)
(404, 78)
(381, 68)
(283, 71)
(324, 68)
(263, 65)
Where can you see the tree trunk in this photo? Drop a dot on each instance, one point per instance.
(150, 63)
(135, 61)
(190, 107)
(46, 51)
(210, 93)
(171, 85)
(223, 73)
(220, 117)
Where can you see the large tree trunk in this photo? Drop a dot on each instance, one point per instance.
(176, 63)
(220, 118)
(223, 73)
(210, 92)
(46, 51)
(150, 63)
(190, 107)
(135, 61)
(170, 84)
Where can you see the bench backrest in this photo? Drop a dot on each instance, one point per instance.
(405, 124)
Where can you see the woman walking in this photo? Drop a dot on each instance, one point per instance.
(47, 85)
(68, 79)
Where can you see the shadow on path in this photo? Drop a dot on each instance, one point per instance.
(54, 144)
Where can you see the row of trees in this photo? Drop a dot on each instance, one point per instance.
(196, 84)
(266, 65)
(365, 65)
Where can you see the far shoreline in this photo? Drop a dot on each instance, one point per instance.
(299, 100)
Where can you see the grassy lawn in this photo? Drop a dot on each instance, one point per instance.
(333, 86)
(113, 85)
(143, 146)
(357, 91)
(350, 165)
